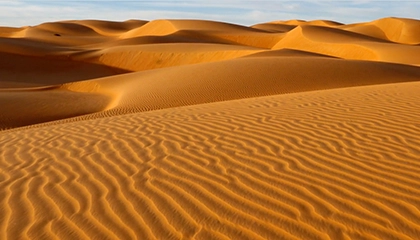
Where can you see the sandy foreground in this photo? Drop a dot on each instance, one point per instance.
(193, 129)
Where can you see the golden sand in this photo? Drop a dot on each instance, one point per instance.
(191, 129)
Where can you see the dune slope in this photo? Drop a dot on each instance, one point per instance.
(32, 71)
(348, 45)
(191, 84)
(242, 78)
(333, 164)
(399, 30)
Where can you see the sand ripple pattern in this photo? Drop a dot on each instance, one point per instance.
(333, 164)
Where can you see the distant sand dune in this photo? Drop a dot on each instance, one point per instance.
(274, 27)
(348, 45)
(108, 28)
(235, 33)
(398, 30)
(165, 27)
(195, 129)
(298, 22)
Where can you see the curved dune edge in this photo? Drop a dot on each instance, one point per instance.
(399, 30)
(332, 164)
(173, 58)
(348, 45)
(242, 78)
(283, 71)
(152, 56)
(236, 34)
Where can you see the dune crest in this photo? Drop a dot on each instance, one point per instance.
(348, 45)
(187, 85)
(108, 28)
(195, 129)
(151, 56)
(399, 30)
(334, 42)
(298, 22)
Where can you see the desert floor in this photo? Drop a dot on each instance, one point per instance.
(194, 129)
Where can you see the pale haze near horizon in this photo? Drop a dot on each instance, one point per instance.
(28, 13)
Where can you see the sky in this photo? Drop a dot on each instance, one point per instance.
(16, 13)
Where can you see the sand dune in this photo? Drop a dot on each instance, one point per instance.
(165, 27)
(229, 32)
(37, 105)
(108, 28)
(274, 27)
(398, 30)
(299, 22)
(190, 84)
(151, 56)
(348, 45)
(18, 70)
(9, 31)
(194, 129)
(337, 164)
(241, 78)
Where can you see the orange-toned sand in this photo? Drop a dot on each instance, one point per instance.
(188, 129)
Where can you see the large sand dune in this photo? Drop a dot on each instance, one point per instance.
(191, 129)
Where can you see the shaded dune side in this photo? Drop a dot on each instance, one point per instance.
(348, 45)
(334, 164)
(32, 47)
(28, 71)
(243, 78)
(273, 27)
(29, 106)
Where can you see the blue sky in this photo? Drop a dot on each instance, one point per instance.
(32, 12)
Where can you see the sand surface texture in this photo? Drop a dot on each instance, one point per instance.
(193, 129)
